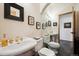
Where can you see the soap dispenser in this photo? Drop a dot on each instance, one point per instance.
(4, 41)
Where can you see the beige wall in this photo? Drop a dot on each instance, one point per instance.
(17, 28)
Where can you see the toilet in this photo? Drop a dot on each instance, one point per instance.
(54, 46)
(46, 52)
(42, 51)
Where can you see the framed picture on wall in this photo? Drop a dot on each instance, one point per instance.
(30, 20)
(38, 25)
(43, 25)
(54, 23)
(13, 11)
(46, 24)
(67, 25)
(49, 23)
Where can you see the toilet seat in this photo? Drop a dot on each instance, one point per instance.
(54, 44)
(46, 52)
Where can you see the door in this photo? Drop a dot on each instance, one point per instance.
(66, 32)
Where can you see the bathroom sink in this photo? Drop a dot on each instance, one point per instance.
(16, 49)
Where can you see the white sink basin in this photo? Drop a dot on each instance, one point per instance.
(15, 49)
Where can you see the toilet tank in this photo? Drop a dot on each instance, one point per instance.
(39, 44)
(46, 39)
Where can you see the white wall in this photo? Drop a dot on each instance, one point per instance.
(52, 13)
(53, 10)
(17, 28)
(42, 5)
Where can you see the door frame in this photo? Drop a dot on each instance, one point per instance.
(73, 12)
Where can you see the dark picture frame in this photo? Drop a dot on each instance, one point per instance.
(31, 20)
(54, 23)
(43, 25)
(67, 25)
(46, 24)
(49, 23)
(13, 11)
(38, 25)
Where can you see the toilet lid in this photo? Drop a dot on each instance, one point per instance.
(46, 52)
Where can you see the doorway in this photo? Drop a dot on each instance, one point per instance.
(66, 33)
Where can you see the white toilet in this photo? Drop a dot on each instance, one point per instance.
(46, 52)
(54, 46)
(42, 51)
